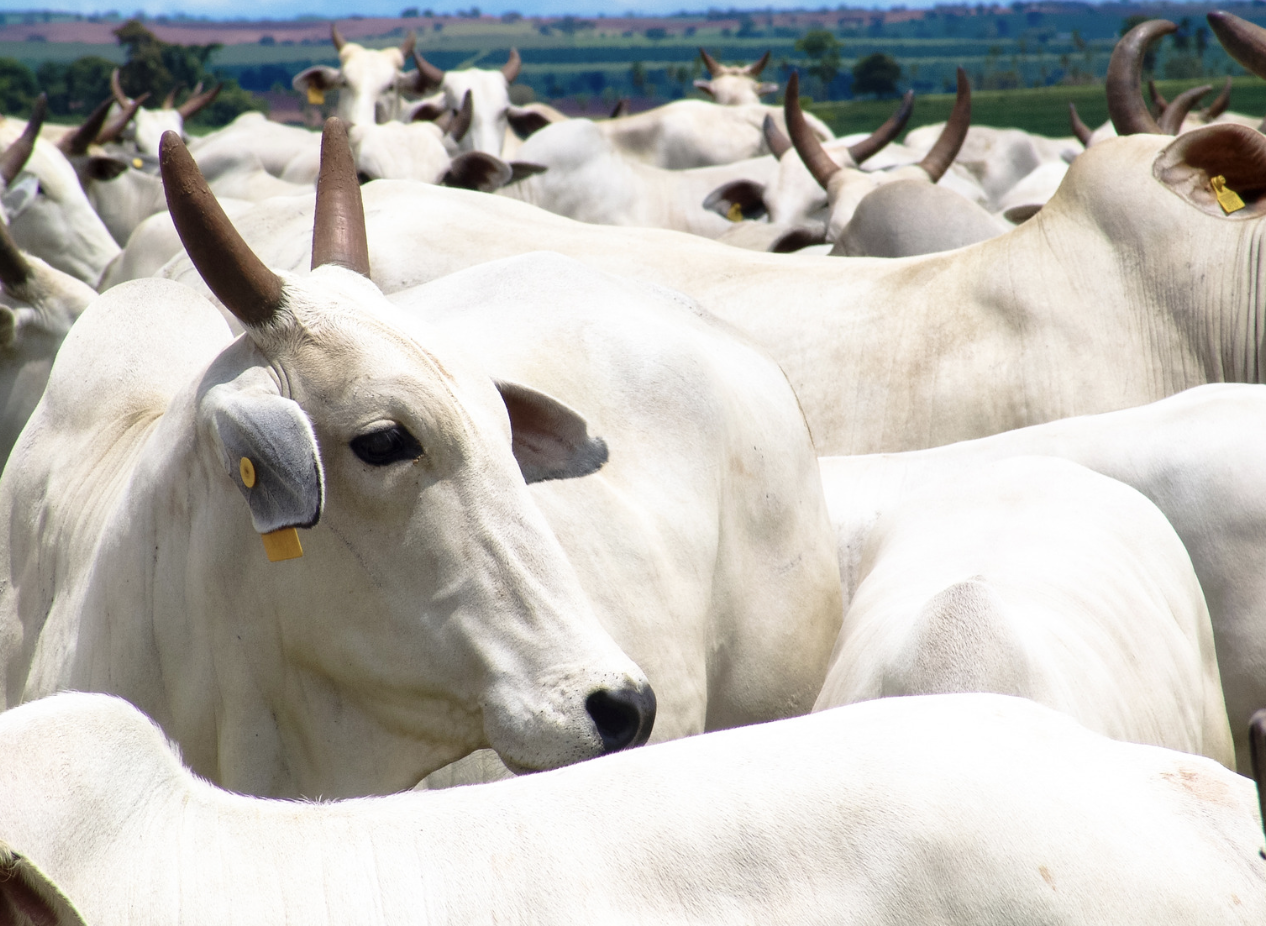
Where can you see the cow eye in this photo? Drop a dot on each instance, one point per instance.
(392, 444)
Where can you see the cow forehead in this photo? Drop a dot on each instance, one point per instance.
(488, 88)
(370, 68)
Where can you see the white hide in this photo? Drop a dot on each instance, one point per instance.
(281, 149)
(400, 151)
(1037, 578)
(963, 810)
(432, 613)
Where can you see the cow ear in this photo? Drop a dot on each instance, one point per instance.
(522, 169)
(102, 167)
(1203, 165)
(525, 121)
(29, 898)
(476, 170)
(705, 86)
(795, 239)
(738, 199)
(427, 111)
(550, 440)
(270, 452)
(320, 77)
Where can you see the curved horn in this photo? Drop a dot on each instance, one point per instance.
(117, 89)
(807, 145)
(710, 63)
(779, 144)
(338, 229)
(1171, 119)
(170, 99)
(461, 123)
(1220, 102)
(409, 43)
(753, 70)
(116, 125)
(226, 263)
(198, 101)
(1080, 129)
(1126, 109)
(514, 64)
(337, 37)
(433, 75)
(885, 133)
(17, 154)
(1242, 40)
(621, 109)
(74, 144)
(1158, 101)
(14, 269)
(937, 161)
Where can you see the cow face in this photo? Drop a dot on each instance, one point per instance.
(736, 89)
(490, 97)
(370, 82)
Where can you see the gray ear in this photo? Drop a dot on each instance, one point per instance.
(550, 440)
(29, 898)
(283, 484)
(319, 77)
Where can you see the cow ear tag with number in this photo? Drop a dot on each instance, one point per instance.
(316, 96)
(281, 544)
(1228, 199)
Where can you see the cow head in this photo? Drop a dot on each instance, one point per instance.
(432, 611)
(369, 80)
(147, 126)
(28, 897)
(735, 85)
(49, 216)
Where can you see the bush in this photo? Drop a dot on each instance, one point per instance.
(877, 74)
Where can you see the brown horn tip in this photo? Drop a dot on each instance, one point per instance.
(1158, 101)
(461, 122)
(1126, 109)
(1220, 102)
(430, 73)
(18, 153)
(512, 66)
(710, 63)
(410, 42)
(1171, 120)
(337, 37)
(239, 279)
(114, 128)
(621, 109)
(14, 269)
(75, 144)
(199, 101)
(1080, 129)
(807, 145)
(338, 229)
(886, 133)
(937, 161)
(170, 99)
(754, 70)
(1242, 40)
(116, 87)
(779, 144)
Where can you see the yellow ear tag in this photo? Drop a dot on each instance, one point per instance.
(282, 545)
(137, 163)
(316, 96)
(1228, 199)
(246, 469)
(736, 213)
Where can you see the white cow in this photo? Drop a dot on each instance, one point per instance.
(963, 810)
(430, 612)
(735, 85)
(1195, 455)
(370, 81)
(1034, 577)
(286, 151)
(148, 125)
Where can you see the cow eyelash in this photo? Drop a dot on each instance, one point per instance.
(392, 444)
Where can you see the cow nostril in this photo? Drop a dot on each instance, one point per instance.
(624, 716)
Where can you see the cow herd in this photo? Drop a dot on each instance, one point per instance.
(371, 497)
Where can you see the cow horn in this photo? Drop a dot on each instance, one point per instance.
(14, 268)
(1126, 109)
(74, 144)
(461, 123)
(117, 89)
(753, 70)
(1220, 102)
(409, 43)
(1158, 101)
(1171, 119)
(116, 125)
(779, 144)
(170, 99)
(239, 279)
(198, 101)
(433, 75)
(338, 229)
(621, 109)
(510, 70)
(710, 63)
(1080, 129)
(17, 154)
(937, 161)
(1244, 41)
(337, 37)
(876, 141)
(807, 145)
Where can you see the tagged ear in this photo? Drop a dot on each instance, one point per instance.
(705, 86)
(319, 78)
(270, 452)
(29, 898)
(550, 440)
(1190, 164)
(737, 200)
(476, 170)
(525, 121)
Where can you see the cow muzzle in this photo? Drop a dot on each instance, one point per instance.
(623, 717)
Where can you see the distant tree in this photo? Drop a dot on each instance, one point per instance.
(877, 74)
(75, 88)
(637, 76)
(823, 51)
(18, 87)
(656, 33)
(409, 12)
